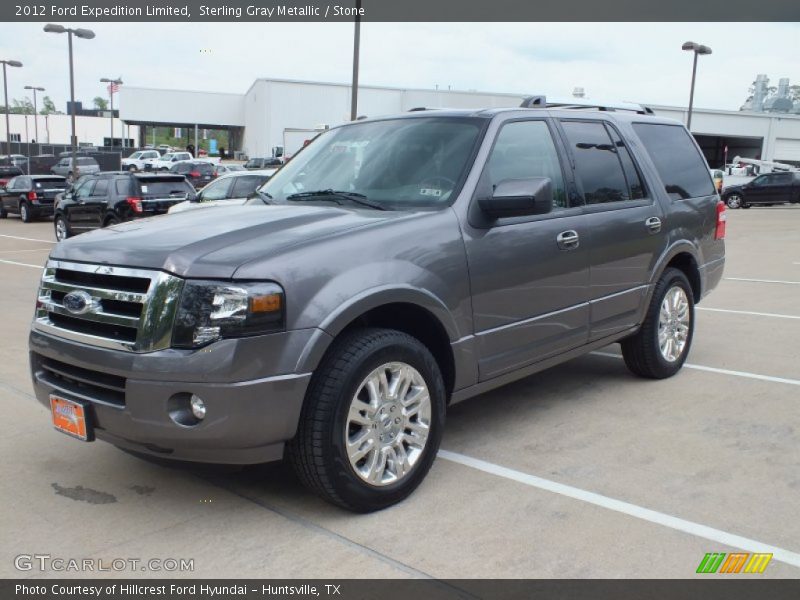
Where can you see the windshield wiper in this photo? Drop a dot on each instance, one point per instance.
(335, 196)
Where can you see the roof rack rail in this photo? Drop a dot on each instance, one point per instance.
(581, 104)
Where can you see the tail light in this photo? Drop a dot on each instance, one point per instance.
(722, 220)
(32, 196)
(135, 203)
(194, 174)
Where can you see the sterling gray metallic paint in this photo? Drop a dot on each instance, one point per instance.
(510, 301)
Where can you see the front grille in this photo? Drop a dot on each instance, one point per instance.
(117, 307)
(86, 384)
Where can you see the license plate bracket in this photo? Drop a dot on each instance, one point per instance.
(71, 417)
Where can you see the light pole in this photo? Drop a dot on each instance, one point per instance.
(112, 87)
(35, 110)
(356, 53)
(697, 49)
(8, 63)
(86, 34)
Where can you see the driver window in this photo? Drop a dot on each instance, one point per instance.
(525, 149)
(84, 190)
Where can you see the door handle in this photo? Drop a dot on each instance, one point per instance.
(653, 224)
(568, 240)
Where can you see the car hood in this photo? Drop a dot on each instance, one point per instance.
(189, 205)
(213, 243)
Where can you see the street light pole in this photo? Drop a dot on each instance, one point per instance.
(111, 83)
(35, 110)
(697, 49)
(87, 34)
(9, 63)
(356, 52)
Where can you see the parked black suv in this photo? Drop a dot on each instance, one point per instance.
(393, 267)
(197, 172)
(766, 190)
(30, 196)
(112, 197)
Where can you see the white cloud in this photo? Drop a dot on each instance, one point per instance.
(630, 61)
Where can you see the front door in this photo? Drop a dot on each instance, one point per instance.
(79, 215)
(529, 275)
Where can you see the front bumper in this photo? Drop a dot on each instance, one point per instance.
(249, 416)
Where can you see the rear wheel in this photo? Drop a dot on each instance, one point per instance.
(132, 168)
(111, 220)
(372, 421)
(734, 201)
(62, 228)
(25, 212)
(3, 213)
(659, 349)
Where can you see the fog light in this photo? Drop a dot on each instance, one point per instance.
(198, 407)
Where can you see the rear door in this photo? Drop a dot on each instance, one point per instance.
(530, 285)
(626, 224)
(770, 188)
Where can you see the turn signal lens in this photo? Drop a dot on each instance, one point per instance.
(265, 304)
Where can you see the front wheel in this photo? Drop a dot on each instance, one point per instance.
(132, 168)
(659, 349)
(372, 421)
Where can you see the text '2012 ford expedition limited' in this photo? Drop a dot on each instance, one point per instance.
(392, 267)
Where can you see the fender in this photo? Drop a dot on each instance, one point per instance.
(367, 300)
(669, 253)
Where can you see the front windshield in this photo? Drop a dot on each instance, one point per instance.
(396, 163)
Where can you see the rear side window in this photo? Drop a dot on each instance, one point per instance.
(678, 161)
(123, 187)
(525, 149)
(596, 161)
(100, 188)
(246, 184)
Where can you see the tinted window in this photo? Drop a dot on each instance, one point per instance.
(163, 188)
(525, 149)
(203, 168)
(123, 187)
(635, 186)
(51, 182)
(599, 169)
(245, 185)
(85, 189)
(677, 160)
(217, 190)
(100, 188)
(12, 183)
(86, 161)
(780, 179)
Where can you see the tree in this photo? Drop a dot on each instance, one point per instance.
(100, 103)
(19, 107)
(48, 106)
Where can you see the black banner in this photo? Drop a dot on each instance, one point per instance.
(714, 588)
(400, 10)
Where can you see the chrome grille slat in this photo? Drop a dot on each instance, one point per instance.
(149, 314)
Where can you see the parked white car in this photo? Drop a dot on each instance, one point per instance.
(231, 189)
(136, 161)
(163, 163)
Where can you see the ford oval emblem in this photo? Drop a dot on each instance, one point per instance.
(78, 302)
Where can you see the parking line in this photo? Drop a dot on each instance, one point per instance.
(620, 506)
(17, 251)
(27, 239)
(19, 264)
(745, 374)
(746, 312)
(762, 280)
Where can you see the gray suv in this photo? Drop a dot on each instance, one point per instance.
(393, 267)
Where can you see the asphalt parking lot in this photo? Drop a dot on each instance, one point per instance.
(580, 471)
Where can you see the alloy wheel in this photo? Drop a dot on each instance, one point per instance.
(673, 324)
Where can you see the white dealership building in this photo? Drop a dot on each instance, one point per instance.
(258, 118)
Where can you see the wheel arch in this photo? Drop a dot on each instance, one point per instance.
(684, 258)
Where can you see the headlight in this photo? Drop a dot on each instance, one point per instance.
(210, 310)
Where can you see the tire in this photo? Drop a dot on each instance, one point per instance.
(61, 223)
(319, 452)
(3, 213)
(642, 352)
(733, 201)
(746, 205)
(25, 212)
(111, 220)
(132, 168)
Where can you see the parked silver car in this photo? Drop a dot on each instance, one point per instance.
(85, 165)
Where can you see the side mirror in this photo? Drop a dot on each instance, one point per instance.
(519, 198)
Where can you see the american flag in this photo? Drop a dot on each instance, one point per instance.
(113, 88)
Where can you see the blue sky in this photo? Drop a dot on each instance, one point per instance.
(629, 61)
